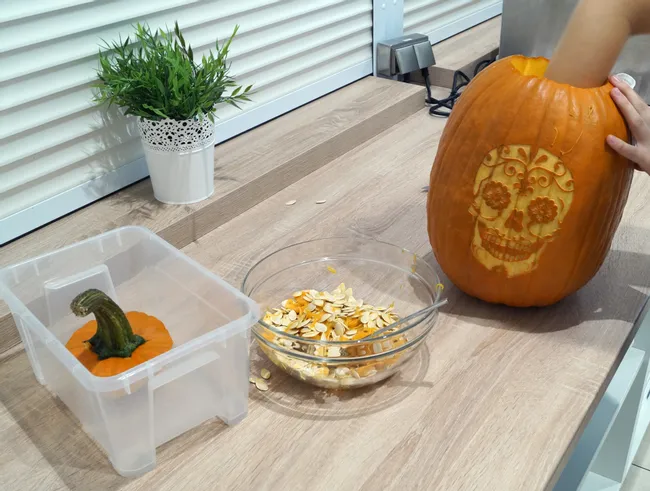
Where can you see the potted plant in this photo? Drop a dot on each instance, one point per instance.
(156, 79)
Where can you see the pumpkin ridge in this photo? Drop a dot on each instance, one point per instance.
(480, 95)
(517, 81)
(593, 221)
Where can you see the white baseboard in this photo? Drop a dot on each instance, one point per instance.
(26, 220)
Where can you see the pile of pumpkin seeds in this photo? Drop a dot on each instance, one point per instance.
(331, 316)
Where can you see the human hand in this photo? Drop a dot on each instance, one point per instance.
(637, 115)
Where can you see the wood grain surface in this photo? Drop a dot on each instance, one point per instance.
(494, 401)
(248, 169)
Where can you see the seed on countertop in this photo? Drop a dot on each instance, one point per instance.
(265, 373)
(331, 269)
(261, 385)
(292, 202)
(321, 201)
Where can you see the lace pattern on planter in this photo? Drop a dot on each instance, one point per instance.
(169, 135)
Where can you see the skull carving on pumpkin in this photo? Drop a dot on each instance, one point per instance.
(520, 202)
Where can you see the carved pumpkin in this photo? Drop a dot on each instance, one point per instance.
(525, 196)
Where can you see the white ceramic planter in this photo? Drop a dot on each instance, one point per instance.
(180, 158)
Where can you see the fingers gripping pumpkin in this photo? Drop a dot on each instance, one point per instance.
(525, 196)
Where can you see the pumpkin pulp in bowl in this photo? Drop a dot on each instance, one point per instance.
(339, 351)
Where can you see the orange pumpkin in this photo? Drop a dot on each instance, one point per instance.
(525, 196)
(115, 341)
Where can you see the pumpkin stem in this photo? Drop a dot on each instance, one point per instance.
(114, 337)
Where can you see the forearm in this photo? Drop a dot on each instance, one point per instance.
(594, 38)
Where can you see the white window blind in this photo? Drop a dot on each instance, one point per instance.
(59, 152)
(440, 19)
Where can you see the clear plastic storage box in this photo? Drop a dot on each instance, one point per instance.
(204, 375)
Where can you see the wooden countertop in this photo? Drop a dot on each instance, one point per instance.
(495, 401)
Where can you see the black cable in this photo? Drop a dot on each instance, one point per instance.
(443, 107)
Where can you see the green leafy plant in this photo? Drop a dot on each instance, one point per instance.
(156, 77)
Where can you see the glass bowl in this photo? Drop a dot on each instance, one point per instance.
(379, 274)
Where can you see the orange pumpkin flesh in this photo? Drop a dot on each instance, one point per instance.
(156, 339)
(525, 196)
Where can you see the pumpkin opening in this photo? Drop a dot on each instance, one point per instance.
(535, 67)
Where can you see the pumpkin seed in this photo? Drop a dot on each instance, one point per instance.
(291, 202)
(310, 334)
(321, 201)
(341, 371)
(265, 373)
(320, 327)
(261, 385)
(334, 351)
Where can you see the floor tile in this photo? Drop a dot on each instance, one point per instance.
(638, 479)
